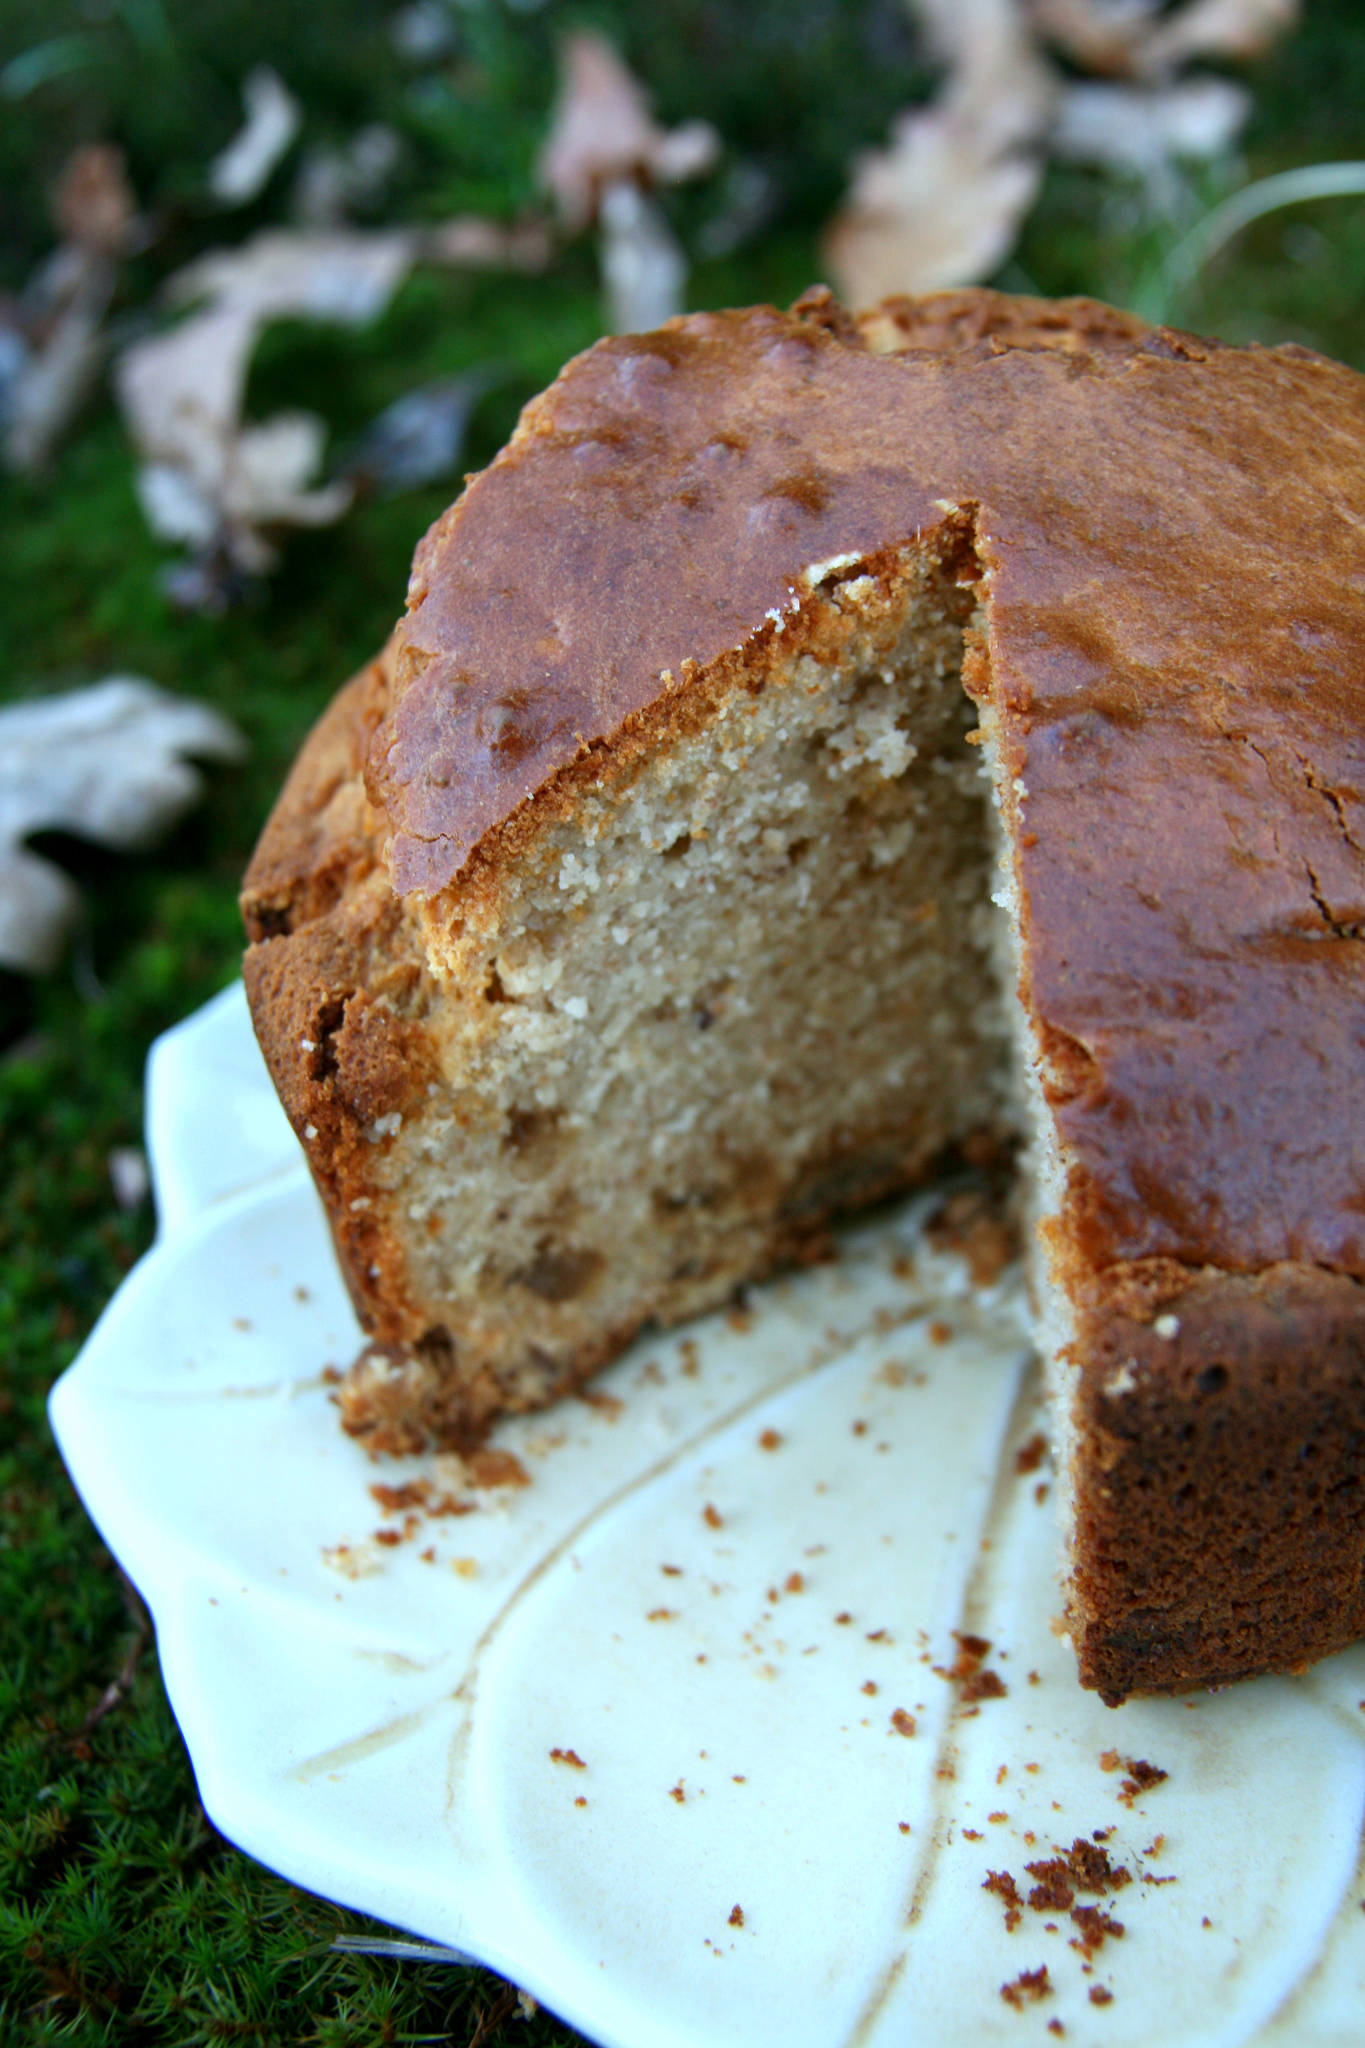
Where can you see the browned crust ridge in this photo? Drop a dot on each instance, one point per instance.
(1220, 1518)
(1167, 535)
(337, 984)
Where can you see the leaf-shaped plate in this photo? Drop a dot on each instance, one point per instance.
(684, 1736)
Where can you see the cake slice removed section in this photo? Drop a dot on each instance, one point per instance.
(736, 982)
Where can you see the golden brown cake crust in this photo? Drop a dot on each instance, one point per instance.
(1168, 535)
(337, 988)
(734, 449)
(1172, 537)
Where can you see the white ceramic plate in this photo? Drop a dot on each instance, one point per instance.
(724, 1599)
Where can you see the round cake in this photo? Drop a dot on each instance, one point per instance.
(822, 749)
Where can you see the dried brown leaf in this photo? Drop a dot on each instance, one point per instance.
(1097, 35)
(603, 132)
(214, 482)
(943, 205)
(643, 268)
(343, 274)
(55, 377)
(107, 763)
(469, 240)
(272, 121)
(1139, 38)
(268, 480)
(209, 479)
(93, 206)
(332, 183)
(420, 436)
(224, 490)
(1139, 128)
(1234, 29)
(54, 344)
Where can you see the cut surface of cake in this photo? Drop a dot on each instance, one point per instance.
(818, 750)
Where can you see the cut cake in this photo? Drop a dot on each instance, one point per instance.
(817, 749)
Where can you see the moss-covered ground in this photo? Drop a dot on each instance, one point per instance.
(124, 1916)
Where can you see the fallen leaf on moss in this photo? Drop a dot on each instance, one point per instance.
(106, 763)
(93, 206)
(222, 486)
(468, 241)
(255, 479)
(644, 269)
(209, 480)
(345, 274)
(603, 131)
(1142, 38)
(943, 205)
(604, 155)
(272, 121)
(1237, 30)
(333, 183)
(1097, 35)
(1140, 129)
(54, 344)
(54, 376)
(420, 437)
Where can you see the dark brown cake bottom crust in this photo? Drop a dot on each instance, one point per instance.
(1220, 1519)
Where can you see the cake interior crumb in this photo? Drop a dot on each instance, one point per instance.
(766, 942)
